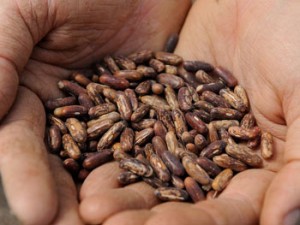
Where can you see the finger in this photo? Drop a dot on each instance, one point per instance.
(126, 218)
(283, 197)
(103, 177)
(68, 213)
(98, 207)
(15, 47)
(240, 203)
(27, 180)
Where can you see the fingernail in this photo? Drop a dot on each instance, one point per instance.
(293, 218)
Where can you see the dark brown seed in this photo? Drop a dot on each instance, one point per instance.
(225, 113)
(171, 98)
(171, 43)
(119, 155)
(215, 99)
(155, 102)
(193, 93)
(146, 71)
(86, 101)
(203, 77)
(101, 69)
(102, 109)
(171, 80)
(222, 180)
(173, 163)
(70, 111)
(226, 76)
(143, 88)
(196, 65)
(114, 116)
(195, 171)
(200, 142)
(99, 128)
(130, 75)
(127, 139)
(157, 65)
(114, 82)
(191, 147)
(108, 138)
(125, 63)
(58, 122)
(209, 166)
(254, 143)
(243, 133)
(204, 105)
(143, 136)
(213, 149)
(165, 117)
(196, 123)
(77, 131)
(171, 194)
(179, 122)
(127, 177)
(226, 161)
(71, 87)
(132, 98)
(111, 64)
(54, 139)
(124, 106)
(159, 129)
(71, 147)
(157, 88)
(248, 121)
(159, 145)
(244, 154)
(185, 99)
(140, 113)
(71, 166)
(143, 124)
(110, 94)
(193, 189)
(141, 57)
(266, 145)
(177, 182)
(203, 115)
(60, 102)
(168, 58)
(233, 100)
(83, 174)
(136, 166)
(188, 77)
(213, 87)
(81, 79)
(94, 90)
(159, 168)
(97, 159)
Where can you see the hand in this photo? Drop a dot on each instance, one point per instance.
(258, 42)
(40, 44)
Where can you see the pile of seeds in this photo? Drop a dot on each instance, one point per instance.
(184, 127)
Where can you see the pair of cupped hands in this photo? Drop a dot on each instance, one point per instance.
(41, 42)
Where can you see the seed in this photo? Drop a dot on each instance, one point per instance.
(124, 106)
(168, 58)
(171, 98)
(136, 167)
(214, 148)
(132, 98)
(266, 145)
(110, 62)
(209, 166)
(203, 77)
(143, 88)
(196, 123)
(177, 182)
(155, 102)
(157, 88)
(185, 99)
(97, 159)
(71, 147)
(226, 161)
(127, 139)
(213, 87)
(226, 76)
(77, 131)
(193, 189)
(54, 138)
(225, 113)
(171, 43)
(60, 102)
(171, 69)
(124, 63)
(157, 65)
(71, 165)
(215, 99)
(71, 87)
(146, 71)
(114, 82)
(143, 136)
(243, 133)
(171, 80)
(188, 77)
(171, 194)
(70, 110)
(222, 180)
(196, 65)
(141, 57)
(81, 79)
(130, 75)
(101, 109)
(127, 177)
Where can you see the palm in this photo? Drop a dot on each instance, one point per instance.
(249, 38)
(47, 42)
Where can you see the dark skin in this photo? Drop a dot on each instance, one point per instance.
(256, 41)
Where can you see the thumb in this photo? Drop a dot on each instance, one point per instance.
(282, 201)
